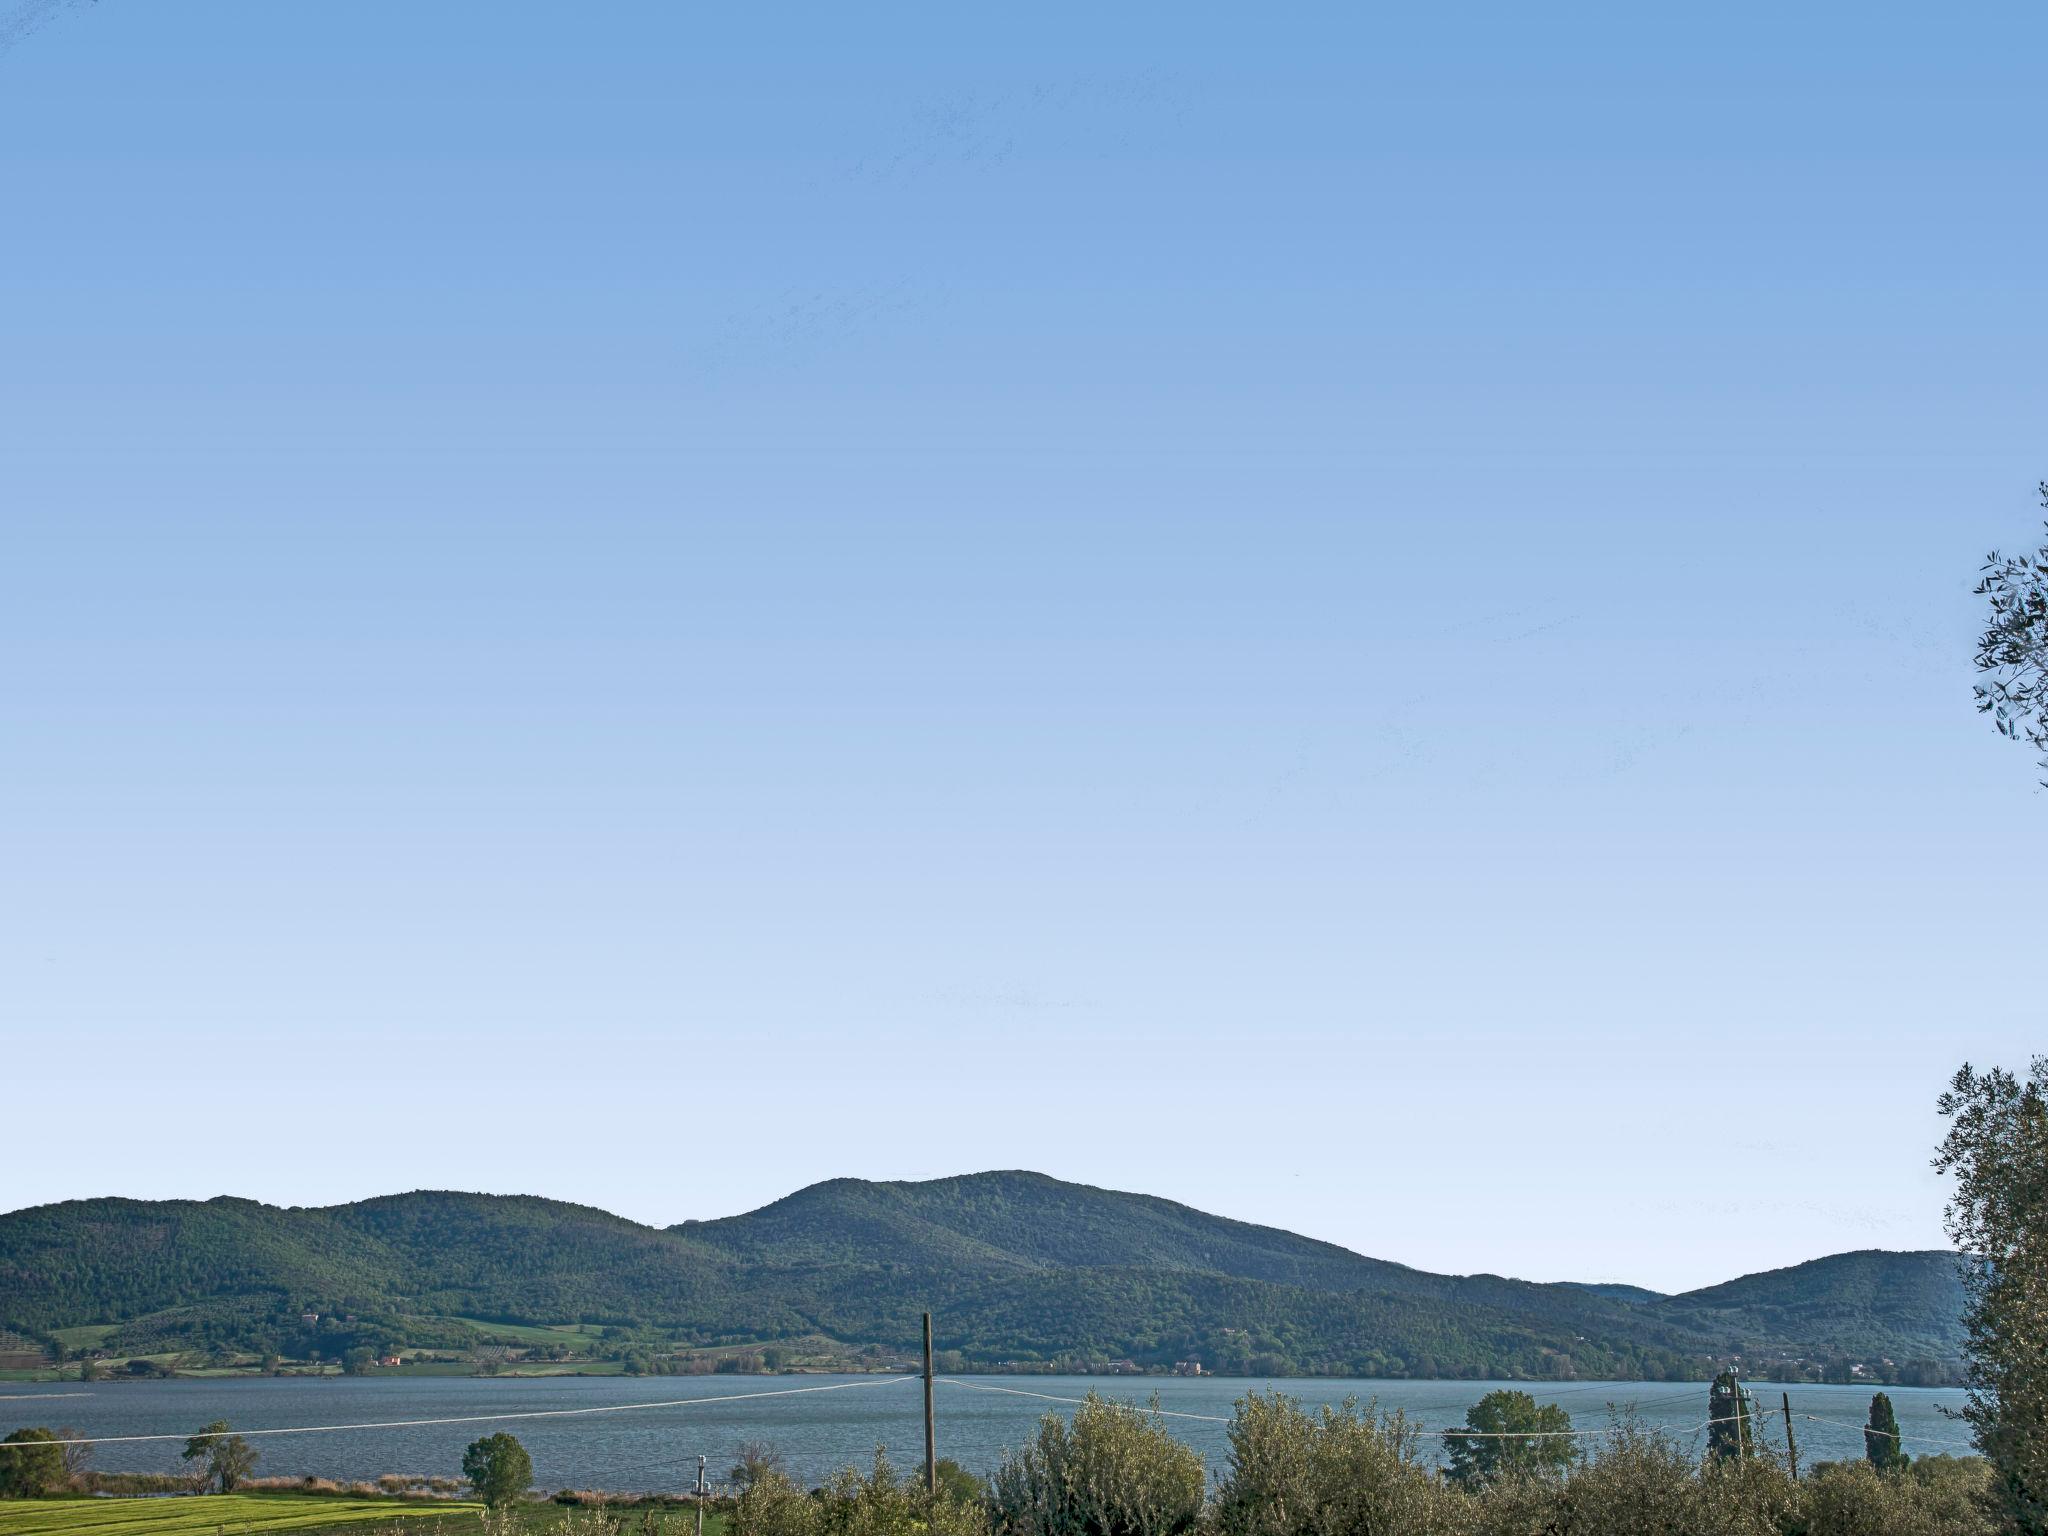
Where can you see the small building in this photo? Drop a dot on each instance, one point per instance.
(309, 1318)
(389, 1360)
(1187, 1367)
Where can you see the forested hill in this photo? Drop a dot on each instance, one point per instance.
(1020, 1268)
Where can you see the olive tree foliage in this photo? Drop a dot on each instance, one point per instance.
(1939, 1496)
(32, 1466)
(878, 1504)
(1997, 1151)
(1509, 1431)
(1344, 1469)
(225, 1459)
(2012, 653)
(499, 1469)
(1115, 1471)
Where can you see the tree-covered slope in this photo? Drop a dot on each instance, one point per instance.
(1018, 1267)
(1861, 1305)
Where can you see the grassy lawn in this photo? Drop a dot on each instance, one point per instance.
(235, 1514)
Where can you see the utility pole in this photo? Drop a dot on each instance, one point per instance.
(1791, 1445)
(931, 1435)
(700, 1496)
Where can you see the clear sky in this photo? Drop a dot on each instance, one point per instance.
(1358, 616)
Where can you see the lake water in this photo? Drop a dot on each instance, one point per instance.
(656, 1448)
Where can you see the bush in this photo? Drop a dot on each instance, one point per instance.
(1341, 1470)
(880, 1504)
(1638, 1481)
(1114, 1471)
(1940, 1496)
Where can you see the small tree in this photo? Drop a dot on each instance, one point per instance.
(1510, 1432)
(357, 1361)
(35, 1471)
(499, 1469)
(2013, 650)
(227, 1458)
(1881, 1446)
(77, 1453)
(1114, 1471)
(1342, 1469)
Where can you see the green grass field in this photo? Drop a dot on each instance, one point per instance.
(209, 1514)
(251, 1514)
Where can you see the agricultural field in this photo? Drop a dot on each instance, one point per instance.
(258, 1514)
(208, 1514)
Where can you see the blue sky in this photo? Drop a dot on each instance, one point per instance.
(1359, 617)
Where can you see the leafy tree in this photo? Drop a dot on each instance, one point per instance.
(1997, 1150)
(1730, 1433)
(1485, 1453)
(1114, 1471)
(2013, 650)
(34, 1473)
(357, 1361)
(1881, 1444)
(499, 1469)
(228, 1457)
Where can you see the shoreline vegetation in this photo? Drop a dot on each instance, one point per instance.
(142, 1370)
(1109, 1469)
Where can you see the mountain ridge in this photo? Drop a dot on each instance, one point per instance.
(1021, 1269)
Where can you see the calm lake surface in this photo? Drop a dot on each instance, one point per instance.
(656, 1448)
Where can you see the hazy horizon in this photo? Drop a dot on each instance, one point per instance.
(1360, 620)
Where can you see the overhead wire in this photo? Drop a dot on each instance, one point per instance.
(494, 1418)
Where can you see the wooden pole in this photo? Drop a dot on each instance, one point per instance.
(931, 1436)
(700, 1496)
(1791, 1445)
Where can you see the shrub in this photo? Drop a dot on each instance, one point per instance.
(1114, 1471)
(880, 1504)
(1638, 1481)
(1940, 1496)
(1341, 1470)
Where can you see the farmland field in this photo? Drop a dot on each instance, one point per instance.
(256, 1514)
(208, 1514)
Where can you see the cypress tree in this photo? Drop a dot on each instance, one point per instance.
(1729, 1434)
(1881, 1444)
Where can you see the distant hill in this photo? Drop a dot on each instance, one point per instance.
(1018, 1267)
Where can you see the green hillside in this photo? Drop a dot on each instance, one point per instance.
(1019, 1268)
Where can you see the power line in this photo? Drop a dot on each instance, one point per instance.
(1211, 1418)
(491, 1418)
(1164, 1413)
